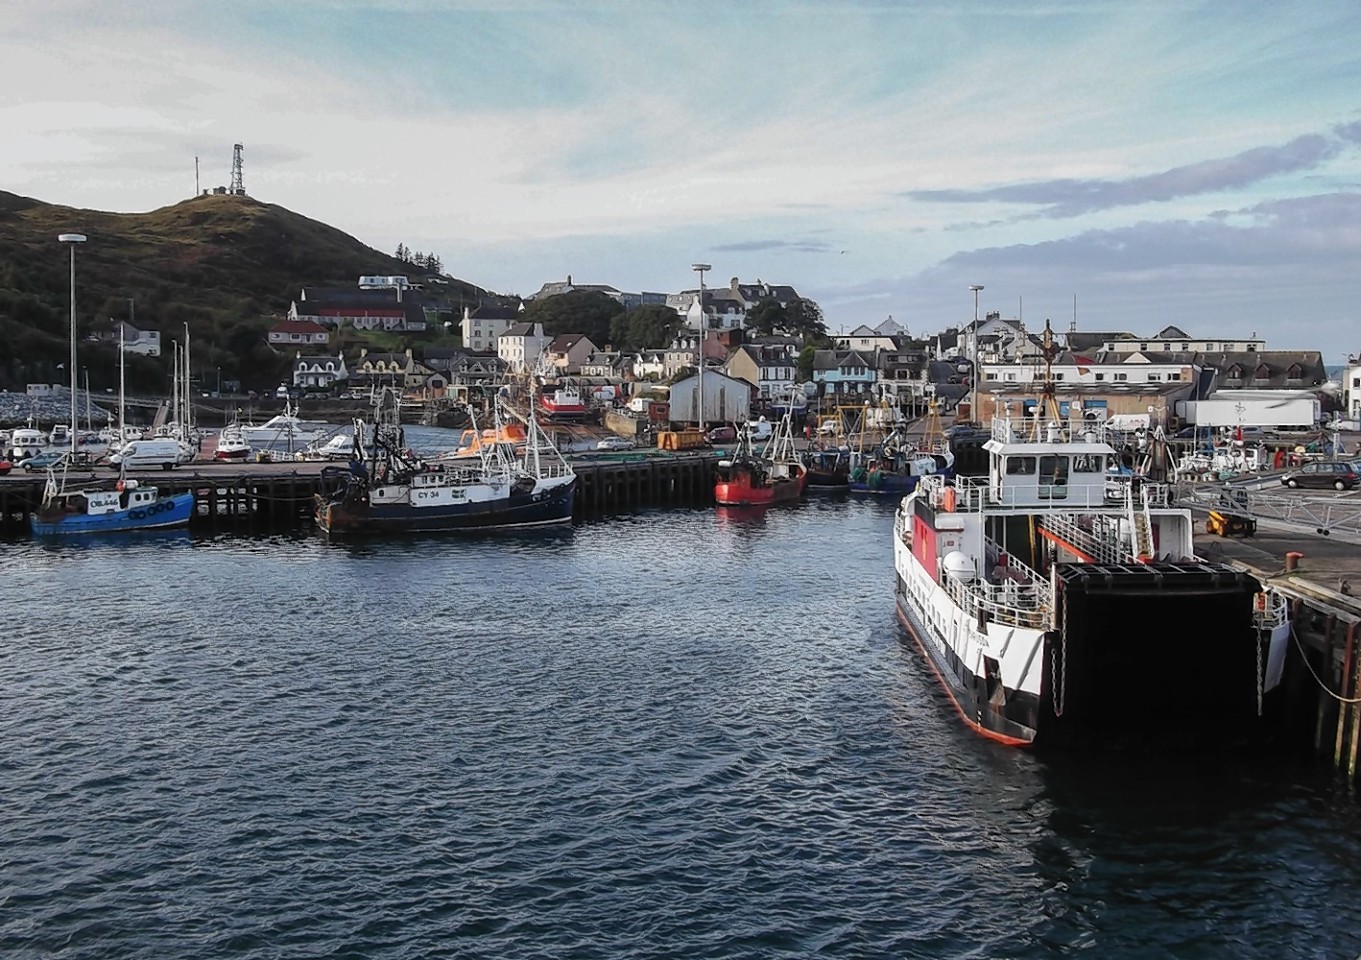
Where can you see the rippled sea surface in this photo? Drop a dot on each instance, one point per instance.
(675, 734)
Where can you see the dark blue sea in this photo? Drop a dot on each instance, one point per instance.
(678, 733)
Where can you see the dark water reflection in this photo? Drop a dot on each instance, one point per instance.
(689, 734)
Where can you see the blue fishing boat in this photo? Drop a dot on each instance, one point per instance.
(126, 505)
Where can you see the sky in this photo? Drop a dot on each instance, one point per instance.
(1120, 166)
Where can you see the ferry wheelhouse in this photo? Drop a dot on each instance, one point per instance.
(1057, 606)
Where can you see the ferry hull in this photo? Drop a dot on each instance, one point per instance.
(1113, 675)
(349, 515)
(169, 511)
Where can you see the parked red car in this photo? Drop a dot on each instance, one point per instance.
(723, 434)
(5, 467)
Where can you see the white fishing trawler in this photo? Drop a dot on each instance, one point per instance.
(1053, 612)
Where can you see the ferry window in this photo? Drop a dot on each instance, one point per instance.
(1089, 463)
(1020, 465)
(1054, 472)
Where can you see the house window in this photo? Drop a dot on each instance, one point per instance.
(1154, 377)
(1058, 376)
(1210, 345)
(1174, 376)
(990, 376)
(1143, 346)
(1167, 346)
(1186, 346)
(1121, 376)
(1101, 376)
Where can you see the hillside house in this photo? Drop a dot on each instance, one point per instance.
(400, 370)
(483, 327)
(146, 343)
(318, 371)
(843, 372)
(521, 345)
(568, 351)
(770, 365)
(293, 332)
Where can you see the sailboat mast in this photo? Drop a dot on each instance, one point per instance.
(186, 422)
(122, 422)
(174, 379)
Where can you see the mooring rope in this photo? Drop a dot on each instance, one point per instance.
(1322, 685)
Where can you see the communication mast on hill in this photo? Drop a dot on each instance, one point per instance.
(236, 187)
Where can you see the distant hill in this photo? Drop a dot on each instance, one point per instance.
(226, 265)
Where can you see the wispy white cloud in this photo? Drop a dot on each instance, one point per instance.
(530, 139)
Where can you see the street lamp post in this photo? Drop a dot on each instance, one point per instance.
(973, 343)
(700, 268)
(72, 239)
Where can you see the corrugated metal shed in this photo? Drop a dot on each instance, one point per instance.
(726, 400)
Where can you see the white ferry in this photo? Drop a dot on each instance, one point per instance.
(1056, 607)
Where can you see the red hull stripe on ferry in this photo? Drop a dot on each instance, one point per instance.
(973, 724)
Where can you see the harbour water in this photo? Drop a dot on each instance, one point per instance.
(677, 733)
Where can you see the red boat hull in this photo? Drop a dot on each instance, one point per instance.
(739, 491)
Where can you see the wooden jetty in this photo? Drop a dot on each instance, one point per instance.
(236, 495)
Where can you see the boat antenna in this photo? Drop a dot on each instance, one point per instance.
(1048, 401)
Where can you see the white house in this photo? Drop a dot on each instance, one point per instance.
(521, 345)
(482, 328)
(318, 371)
(1172, 339)
(867, 339)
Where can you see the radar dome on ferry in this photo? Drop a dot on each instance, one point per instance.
(960, 566)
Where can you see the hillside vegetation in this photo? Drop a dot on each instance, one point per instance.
(228, 266)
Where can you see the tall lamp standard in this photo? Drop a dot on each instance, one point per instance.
(700, 268)
(973, 343)
(73, 239)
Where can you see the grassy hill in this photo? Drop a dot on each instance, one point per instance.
(227, 266)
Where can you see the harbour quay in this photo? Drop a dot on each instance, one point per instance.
(253, 496)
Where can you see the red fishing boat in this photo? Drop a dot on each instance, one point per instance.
(775, 475)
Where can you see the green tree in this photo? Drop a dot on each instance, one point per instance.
(767, 317)
(805, 363)
(653, 325)
(581, 311)
(805, 319)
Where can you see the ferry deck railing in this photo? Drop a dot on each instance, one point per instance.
(1018, 602)
(974, 494)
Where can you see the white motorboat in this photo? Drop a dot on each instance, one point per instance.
(285, 431)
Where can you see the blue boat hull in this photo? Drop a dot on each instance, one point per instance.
(169, 511)
(897, 484)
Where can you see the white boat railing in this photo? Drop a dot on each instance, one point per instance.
(1019, 602)
(974, 494)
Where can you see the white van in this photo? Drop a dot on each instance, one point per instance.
(163, 453)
